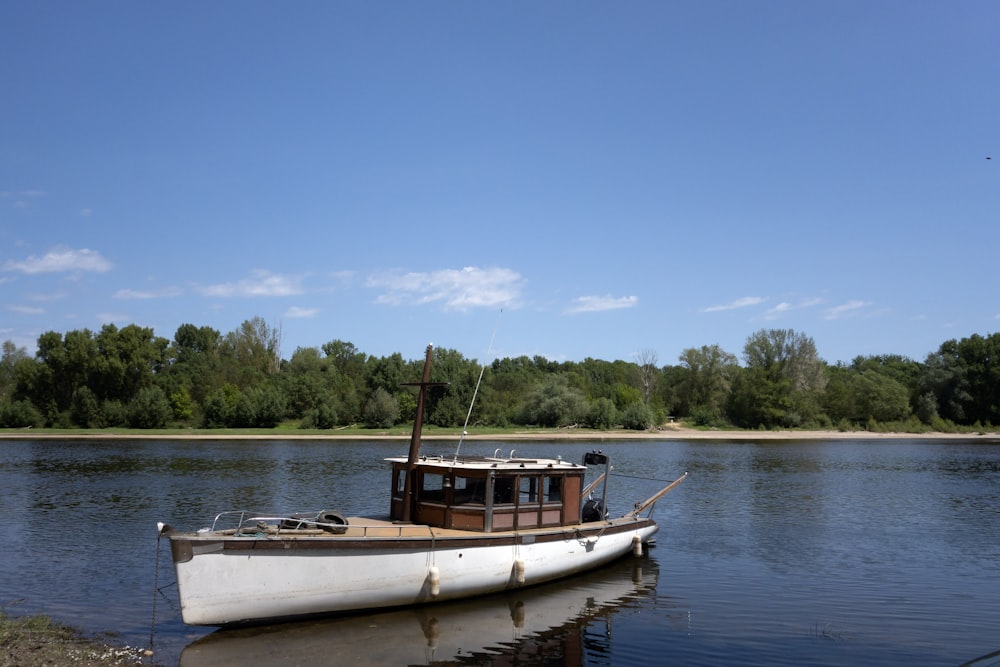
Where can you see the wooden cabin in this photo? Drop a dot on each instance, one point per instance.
(486, 494)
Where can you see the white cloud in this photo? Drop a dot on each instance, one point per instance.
(297, 312)
(848, 309)
(785, 307)
(774, 313)
(60, 260)
(596, 304)
(457, 289)
(261, 283)
(139, 294)
(733, 305)
(46, 297)
(26, 310)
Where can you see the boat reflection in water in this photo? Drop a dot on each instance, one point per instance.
(550, 622)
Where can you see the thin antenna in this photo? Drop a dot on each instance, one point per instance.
(475, 393)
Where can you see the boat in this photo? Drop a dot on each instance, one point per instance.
(458, 526)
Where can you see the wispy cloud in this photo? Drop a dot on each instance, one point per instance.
(456, 289)
(298, 312)
(260, 283)
(22, 197)
(61, 260)
(785, 307)
(776, 312)
(44, 297)
(26, 310)
(596, 304)
(733, 305)
(849, 309)
(148, 294)
(114, 318)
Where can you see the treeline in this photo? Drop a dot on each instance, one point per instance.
(129, 377)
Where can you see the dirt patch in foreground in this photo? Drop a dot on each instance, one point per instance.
(37, 641)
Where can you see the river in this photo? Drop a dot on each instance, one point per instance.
(839, 552)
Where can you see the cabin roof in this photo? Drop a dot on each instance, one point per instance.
(491, 463)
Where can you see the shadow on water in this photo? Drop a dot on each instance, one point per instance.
(564, 622)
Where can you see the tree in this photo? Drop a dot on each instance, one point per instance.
(944, 387)
(706, 379)
(602, 414)
(981, 358)
(783, 381)
(193, 362)
(861, 396)
(649, 372)
(149, 409)
(553, 403)
(252, 352)
(637, 416)
(128, 360)
(12, 354)
(381, 410)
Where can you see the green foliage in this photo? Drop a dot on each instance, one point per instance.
(182, 405)
(637, 417)
(624, 396)
(381, 410)
(862, 393)
(323, 416)
(149, 409)
(706, 379)
(19, 414)
(553, 403)
(602, 414)
(782, 384)
(220, 406)
(114, 413)
(125, 377)
(705, 416)
(86, 410)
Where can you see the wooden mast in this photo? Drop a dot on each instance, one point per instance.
(418, 422)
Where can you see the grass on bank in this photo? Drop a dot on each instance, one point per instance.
(37, 641)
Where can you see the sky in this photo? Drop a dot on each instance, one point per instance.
(565, 179)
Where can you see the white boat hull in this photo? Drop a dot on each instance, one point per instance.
(225, 579)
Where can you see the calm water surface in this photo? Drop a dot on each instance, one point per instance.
(771, 553)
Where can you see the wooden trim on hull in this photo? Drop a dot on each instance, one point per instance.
(184, 548)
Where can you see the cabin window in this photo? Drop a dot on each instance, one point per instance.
(432, 487)
(400, 481)
(503, 491)
(553, 489)
(529, 490)
(469, 490)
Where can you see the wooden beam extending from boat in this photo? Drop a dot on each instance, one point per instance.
(652, 499)
(593, 485)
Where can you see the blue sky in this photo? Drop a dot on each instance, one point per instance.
(613, 177)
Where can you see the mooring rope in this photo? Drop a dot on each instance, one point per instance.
(649, 479)
(156, 590)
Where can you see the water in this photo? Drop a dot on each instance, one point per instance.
(771, 553)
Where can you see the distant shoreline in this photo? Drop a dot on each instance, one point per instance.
(581, 435)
